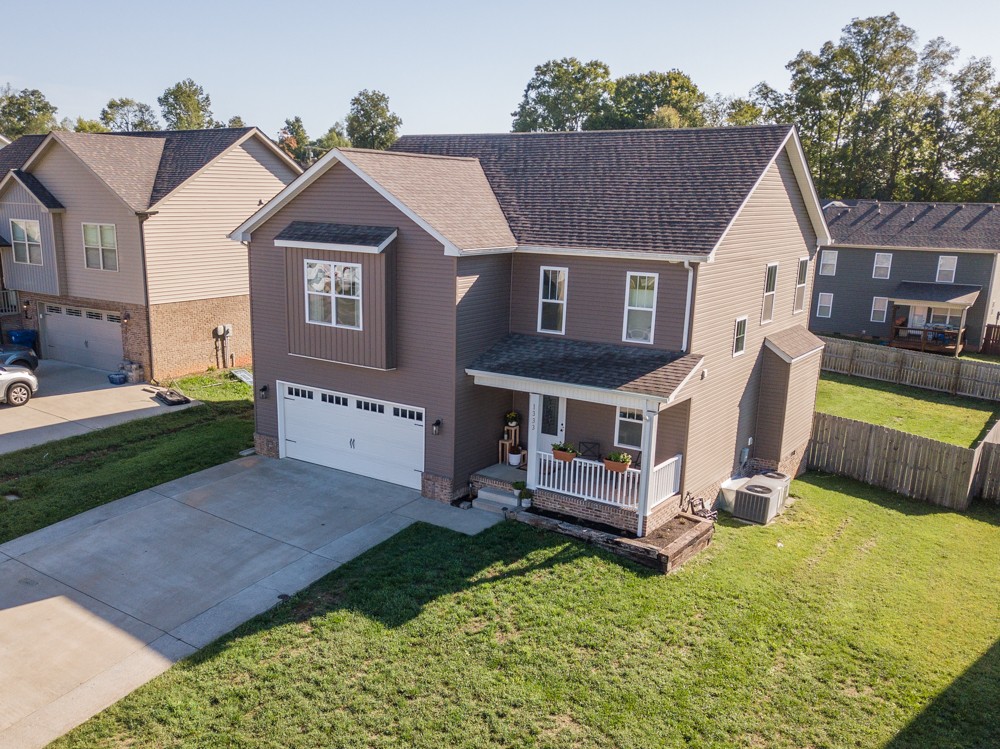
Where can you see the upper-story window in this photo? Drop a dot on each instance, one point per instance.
(800, 285)
(552, 300)
(100, 246)
(824, 305)
(740, 336)
(946, 268)
(828, 263)
(883, 265)
(640, 307)
(333, 294)
(770, 284)
(26, 239)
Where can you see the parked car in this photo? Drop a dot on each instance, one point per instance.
(15, 355)
(17, 385)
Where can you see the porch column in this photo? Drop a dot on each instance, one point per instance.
(961, 333)
(650, 423)
(534, 414)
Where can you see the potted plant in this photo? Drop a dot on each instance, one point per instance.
(518, 487)
(564, 451)
(513, 418)
(524, 497)
(515, 455)
(617, 462)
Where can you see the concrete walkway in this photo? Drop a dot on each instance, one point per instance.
(97, 605)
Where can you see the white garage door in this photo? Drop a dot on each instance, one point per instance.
(90, 337)
(372, 438)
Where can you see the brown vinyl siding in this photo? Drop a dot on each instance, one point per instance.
(595, 297)
(800, 403)
(672, 433)
(772, 227)
(771, 406)
(425, 314)
(17, 203)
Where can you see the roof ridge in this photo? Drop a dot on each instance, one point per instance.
(408, 154)
(729, 128)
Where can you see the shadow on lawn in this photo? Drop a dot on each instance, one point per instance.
(963, 716)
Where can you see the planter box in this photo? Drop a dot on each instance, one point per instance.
(566, 457)
(615, 467)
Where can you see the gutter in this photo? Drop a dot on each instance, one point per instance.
(143, 217)
(687, 307)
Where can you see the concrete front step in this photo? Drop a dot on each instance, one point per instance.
(496, 500)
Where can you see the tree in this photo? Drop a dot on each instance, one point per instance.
(235, 121)
(88, 126)
(976, 120)
(370, 122)
(128, 115)
(636, 99)
(562, 94)
(292, 139)
(335, 137)
(186, 106)
(25, 112)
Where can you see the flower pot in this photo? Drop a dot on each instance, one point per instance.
(615, 467)
(514, 459)
(563, 455)
(512, 423)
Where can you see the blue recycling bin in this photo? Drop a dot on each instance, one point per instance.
(22, 337)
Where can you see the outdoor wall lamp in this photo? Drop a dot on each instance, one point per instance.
(27, 315)
(436, 428)
(263, 392)
(126, 316)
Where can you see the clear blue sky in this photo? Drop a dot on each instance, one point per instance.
(446, 66)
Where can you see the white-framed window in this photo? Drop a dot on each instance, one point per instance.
(26, 240)
(640, 307)
(880, 307)
(740, 336)
(883, 265)
(828, 263)
(824, 305)
(100, 246)
(801, 278)
(628, 429)
(552, 300)
(946, 268)
(944, 316)
(770, 284)
(333, 294)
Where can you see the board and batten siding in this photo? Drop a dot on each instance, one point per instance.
(595, 297)
(188, 252)
(425, 314)
(773, 226)
(17, 203)
(88, 200)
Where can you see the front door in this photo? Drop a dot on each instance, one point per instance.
(552, 423)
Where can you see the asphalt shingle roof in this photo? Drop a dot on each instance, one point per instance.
(349, 234)
(872, 223)
(636, 190)
(18, 152)
(964, 295)
(643, 371)
(36, 188)
(795, 341)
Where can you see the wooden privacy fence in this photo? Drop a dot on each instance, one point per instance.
(922, 468)
(929, 371)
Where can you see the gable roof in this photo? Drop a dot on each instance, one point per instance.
(17, 153)
(793, 343)
(38, 191)
(873, 223)
(950, 294)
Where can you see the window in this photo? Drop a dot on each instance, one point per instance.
(828, 263)
(100, 246)
(26, 239)
(800, 285)
(824, 305)
(640, 307)
(946, 268)
(770, 284)
(944, 316)
(552, 300)
(628, 432)
(883, 264)
(333, 294)
(740, 336)
(880, 306)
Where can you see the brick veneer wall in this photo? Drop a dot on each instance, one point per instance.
(183, 340)
(440, 488)
(265, 445)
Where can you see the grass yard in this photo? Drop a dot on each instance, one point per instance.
(858, 619)
(63, 478)
(948, 418)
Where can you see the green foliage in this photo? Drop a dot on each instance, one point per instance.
(651, 99)
(293, 140)
(25, 112)
(562, 95)
(186, 106)
(88, 126)
(335, 137)
(236, 121)
(128, 115)
(370, 123)
(618, 457)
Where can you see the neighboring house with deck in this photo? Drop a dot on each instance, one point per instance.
(643, 291)
(116, 245)
(922, 276)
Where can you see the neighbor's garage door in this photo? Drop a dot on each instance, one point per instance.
(372, 438)
(90, 337)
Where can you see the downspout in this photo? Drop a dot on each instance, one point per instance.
(145, 288)
(687, 306)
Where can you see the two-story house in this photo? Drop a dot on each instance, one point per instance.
(116, 244)
(642, 291)
(921, 276)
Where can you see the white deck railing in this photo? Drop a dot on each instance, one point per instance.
(8, 301)
(588, 479)
(665, 481)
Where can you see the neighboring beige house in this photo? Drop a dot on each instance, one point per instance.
(116, 243)
(642, 291)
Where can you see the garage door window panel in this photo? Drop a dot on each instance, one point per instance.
(100, 247)
(26, 240)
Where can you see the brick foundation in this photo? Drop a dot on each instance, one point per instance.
(439, 488)
(183, 339)
(265, 445)
(662, 514)
(793, 464)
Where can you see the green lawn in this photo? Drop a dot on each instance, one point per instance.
(858, 619)
(949, 418)
(60, 479)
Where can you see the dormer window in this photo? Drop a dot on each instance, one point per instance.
(26, 240)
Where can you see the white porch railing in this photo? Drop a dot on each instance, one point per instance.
(589, 479)
(8, 301)
(665, 481)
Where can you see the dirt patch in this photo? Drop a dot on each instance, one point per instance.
(670, 531)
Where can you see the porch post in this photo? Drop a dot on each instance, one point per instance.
(534, 414)
(961, 333)
(649, 427)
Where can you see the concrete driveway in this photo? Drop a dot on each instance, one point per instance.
(95, 606)
(73, 400)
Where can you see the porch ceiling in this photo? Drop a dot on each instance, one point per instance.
(941, 294)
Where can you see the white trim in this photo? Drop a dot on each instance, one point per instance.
(736, 327)
(954, 270)
(773, 293)
(670, 257)
(26, 243)
(888, 268)
(563, 390)
(563, 301)
(367, 249)
(785, 357)
(885, 310)
(333, 295)
(687, 306)
(342, 363)
(100, 246)
(652, 310)
(819, 303)
(804, 286)
(926, 303)
(641, 421)
(819, 266)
